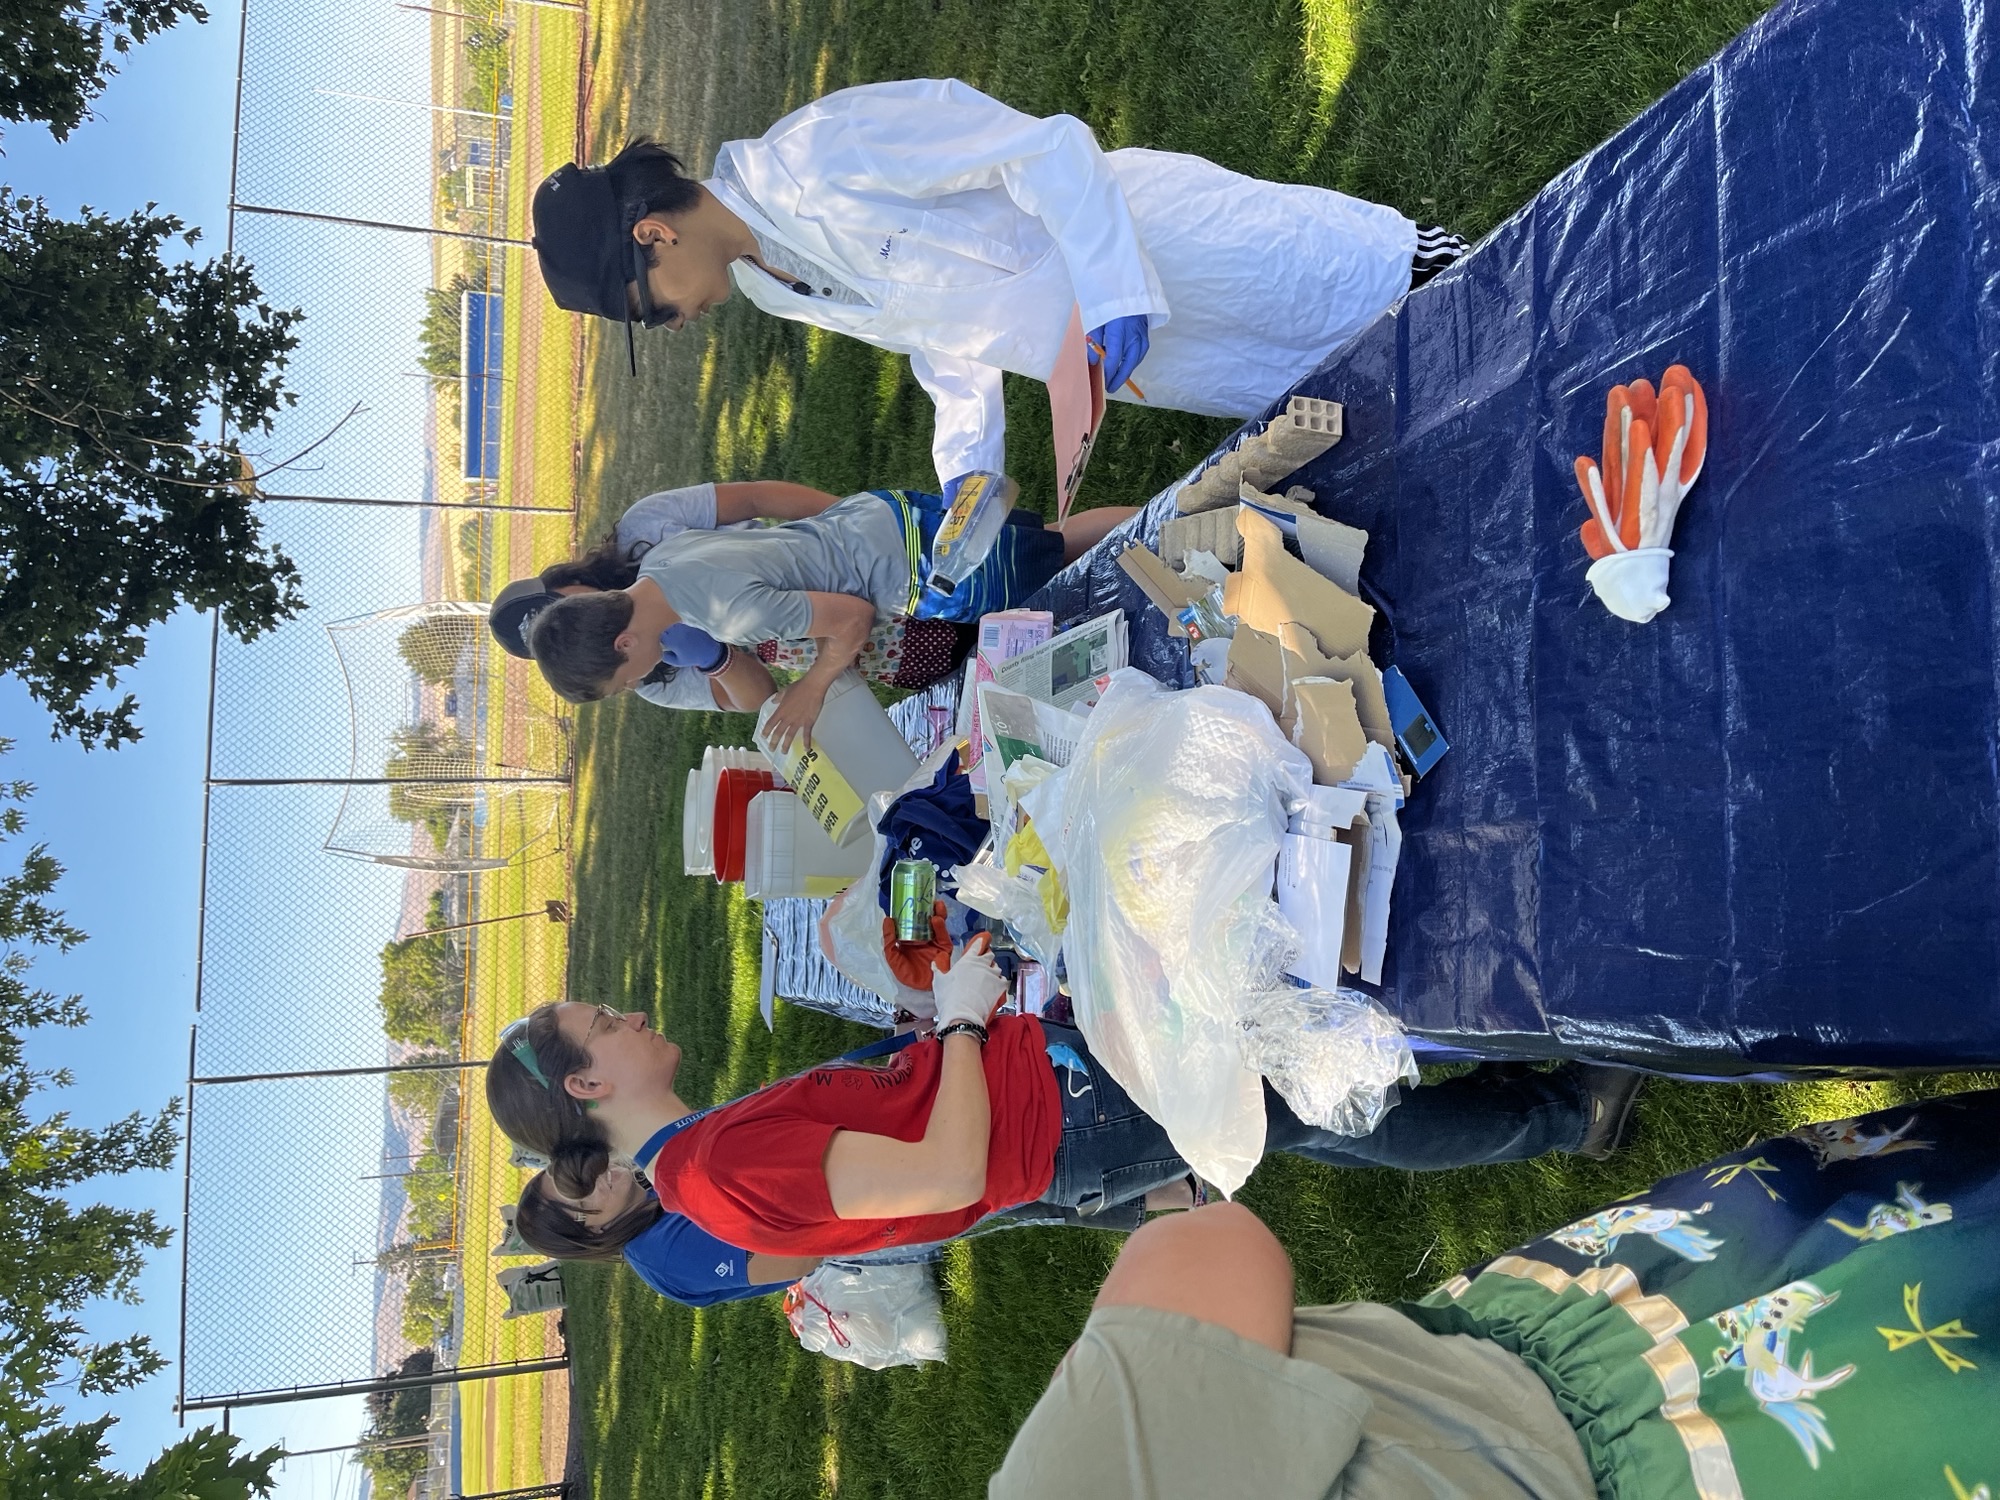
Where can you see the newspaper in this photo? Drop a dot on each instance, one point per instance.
(1067, 671)
(1017, 728)
(1002, 636)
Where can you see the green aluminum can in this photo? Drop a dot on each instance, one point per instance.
(912, 893)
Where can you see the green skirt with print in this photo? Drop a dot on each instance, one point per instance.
(1815, 1316)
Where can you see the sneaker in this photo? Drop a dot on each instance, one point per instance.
(1611, 1093)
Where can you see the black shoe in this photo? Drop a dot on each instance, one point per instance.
(1610, 1094)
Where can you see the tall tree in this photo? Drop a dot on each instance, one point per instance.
(114, 510)
(422, 986)
(58, 1253)
(56, 55)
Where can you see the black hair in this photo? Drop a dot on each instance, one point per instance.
(605, 566)
(575, 642)
(551, 1227)
(647, 178)
(545, 1117)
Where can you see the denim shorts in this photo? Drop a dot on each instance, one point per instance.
(1112, 1151)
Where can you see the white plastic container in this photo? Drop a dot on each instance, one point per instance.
(856, 752)
(788, 854)
(698, 804)
(697, 826)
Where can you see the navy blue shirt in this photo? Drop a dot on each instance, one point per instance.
(680, 1260)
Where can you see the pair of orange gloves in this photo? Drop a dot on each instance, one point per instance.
(1654, 447)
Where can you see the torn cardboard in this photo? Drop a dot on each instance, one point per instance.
(1331, 549)
(1257, 667)
(1327, 728)
(1303, 658)
(1275, 587)
(1169, 592)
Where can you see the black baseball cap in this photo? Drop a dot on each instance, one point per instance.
(513, 610)
(583, 238)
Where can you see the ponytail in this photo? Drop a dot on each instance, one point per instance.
(604, 567)
(551, 1227)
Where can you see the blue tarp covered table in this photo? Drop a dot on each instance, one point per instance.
(1758, 834)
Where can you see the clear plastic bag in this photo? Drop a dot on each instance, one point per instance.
(1016, 901)
(1174, 808)
(877, 1316)
(1335, 1055)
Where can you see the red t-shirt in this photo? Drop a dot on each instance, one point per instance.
(753, 1172)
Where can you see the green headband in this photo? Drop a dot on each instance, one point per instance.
(523, 1051)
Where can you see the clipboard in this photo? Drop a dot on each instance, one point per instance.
(1076, 411)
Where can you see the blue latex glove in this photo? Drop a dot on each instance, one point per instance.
(685, 645)
(1124, 342)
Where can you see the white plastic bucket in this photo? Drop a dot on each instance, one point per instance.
(698, 803)
(788, 854)
(697, 826)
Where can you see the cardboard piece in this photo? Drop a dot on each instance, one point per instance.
(1357, 840)
(1303, 658)
(1327, 728)
(1275, 587)
(1076, 411)
(1169, 592)
(1257, 667)
(1331, 549)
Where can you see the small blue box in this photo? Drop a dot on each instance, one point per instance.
(1416, 731)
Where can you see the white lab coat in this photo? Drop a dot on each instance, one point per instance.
(972, 229)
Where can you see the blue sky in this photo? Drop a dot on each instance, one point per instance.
(127, 824)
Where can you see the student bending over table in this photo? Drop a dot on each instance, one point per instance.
(709, 677)
(844, 1159)
(830, 578)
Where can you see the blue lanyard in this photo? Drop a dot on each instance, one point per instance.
(657, 1141)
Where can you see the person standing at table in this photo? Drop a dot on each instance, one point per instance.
(926, 218)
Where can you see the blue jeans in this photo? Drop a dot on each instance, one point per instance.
(1117, 1218)
(1112, 1151)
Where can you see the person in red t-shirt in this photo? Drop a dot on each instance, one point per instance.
(843, 1159)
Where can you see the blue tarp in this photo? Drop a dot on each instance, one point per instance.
(1758, 834)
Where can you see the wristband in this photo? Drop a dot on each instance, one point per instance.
(728, 655)
(969, 1028)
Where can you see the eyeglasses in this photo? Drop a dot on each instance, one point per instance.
(604, 1013)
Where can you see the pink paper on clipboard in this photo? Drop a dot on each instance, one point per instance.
(1076, 410)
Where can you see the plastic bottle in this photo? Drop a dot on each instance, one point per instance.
(976, 508)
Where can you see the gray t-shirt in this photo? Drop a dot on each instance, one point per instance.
(647, 523)
(1153, 1405)
(752, 587)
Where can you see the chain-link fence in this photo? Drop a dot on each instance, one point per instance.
(386, 874)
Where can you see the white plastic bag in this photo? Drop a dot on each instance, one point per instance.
(1174, 808)
(851, 931)
(1335, 1056)
(870, 1315)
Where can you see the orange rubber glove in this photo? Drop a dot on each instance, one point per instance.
(912, 963)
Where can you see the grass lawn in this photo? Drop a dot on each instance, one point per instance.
(1456, 111)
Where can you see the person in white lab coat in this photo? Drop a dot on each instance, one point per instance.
(927, 218)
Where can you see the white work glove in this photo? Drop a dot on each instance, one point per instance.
(971, 989)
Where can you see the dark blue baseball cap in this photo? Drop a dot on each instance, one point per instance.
(590, 262)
